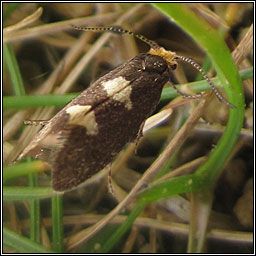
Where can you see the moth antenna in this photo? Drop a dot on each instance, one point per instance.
(199, 68)
(36, 122)
(119, 30)
(110, 186)
(187, 96)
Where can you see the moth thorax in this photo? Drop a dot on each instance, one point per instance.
(168, 56)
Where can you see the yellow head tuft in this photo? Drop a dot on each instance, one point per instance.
(168, 56)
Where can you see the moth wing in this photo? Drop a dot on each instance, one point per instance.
(43, 139)
(72, 112)
(93, 96)
(75, 159)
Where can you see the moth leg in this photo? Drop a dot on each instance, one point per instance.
(36, 122)
(110, 186)
(139, 136)
(187, 96)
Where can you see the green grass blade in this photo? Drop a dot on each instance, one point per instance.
(26, 193)
(35, 225)
(21, 169)
(14, 70)
(26, 101)
(57, 224)
(177, 185)
(22, 244)
(199, 86)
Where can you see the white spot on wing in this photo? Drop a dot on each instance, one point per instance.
(124, 96)
(77, 111)
(80, 115)
(90, 123)
(115, 85)
(118, 89)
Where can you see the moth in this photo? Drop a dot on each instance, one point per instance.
(93, 128)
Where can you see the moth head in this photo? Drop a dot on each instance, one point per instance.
(168, 56)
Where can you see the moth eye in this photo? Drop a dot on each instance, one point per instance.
(174, 66)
